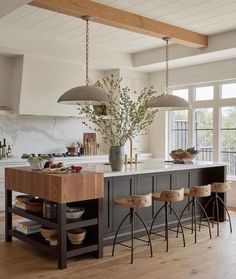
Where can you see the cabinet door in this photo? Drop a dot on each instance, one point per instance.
(164, 182)
(181, 180)
(123, 187)
(145, 184)
(107, 205)
(2, 198)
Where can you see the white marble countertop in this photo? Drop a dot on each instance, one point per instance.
(149, 166)
(68, 160)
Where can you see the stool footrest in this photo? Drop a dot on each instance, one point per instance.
(140, 239)
(122, 244)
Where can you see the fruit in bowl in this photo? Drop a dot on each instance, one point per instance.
(180, 155)
(36, 162)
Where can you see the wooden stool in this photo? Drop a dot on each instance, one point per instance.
(168, 197)
(133, 202)
(216, 188)
(196, 192)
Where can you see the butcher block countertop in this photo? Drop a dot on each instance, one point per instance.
(60, 188)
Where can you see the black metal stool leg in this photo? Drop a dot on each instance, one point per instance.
(179, 224)
(148, 235)
(217, 216)
(150, 231)
(114, 241)
(132, 234)
(166, 227)
(213, 212)
(181, 215)
(203, 209)
(192, 229)
(195, 219)
(200, 221)
(226, 209)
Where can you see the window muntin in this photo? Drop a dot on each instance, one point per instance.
(228, 90)
(204, 133)
(204, 93)
(228, 138)
(179, 130)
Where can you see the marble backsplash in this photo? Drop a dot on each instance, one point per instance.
(44, 134)
(40, 134)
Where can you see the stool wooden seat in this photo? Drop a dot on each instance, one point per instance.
(198, 191)
(133, 202)
(221, 187)
(216, 189)
(195, 192)
(137, 201)
(168, 197)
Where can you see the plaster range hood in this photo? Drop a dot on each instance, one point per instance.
(37, 83)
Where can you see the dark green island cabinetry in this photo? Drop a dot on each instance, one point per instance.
(120, 186)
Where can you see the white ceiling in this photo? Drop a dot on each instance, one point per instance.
(33, 30)
(203, 16)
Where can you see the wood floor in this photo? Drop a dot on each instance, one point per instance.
(208, 259)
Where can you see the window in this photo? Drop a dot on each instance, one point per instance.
(179, 124)
(228, 137)
(204, 133)
(204, 93)
(179, 129)
(229, 91)
(182, 93)
(210, 126)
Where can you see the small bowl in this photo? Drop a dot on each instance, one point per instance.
(48, 233)
(37, 165)
(74, 212)
(77, 236)
(35, 205)
(24, 198)
(76, 168)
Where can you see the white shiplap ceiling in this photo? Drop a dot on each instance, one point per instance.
(204, 16)
(34, 31)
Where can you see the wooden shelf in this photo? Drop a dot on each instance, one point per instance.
(38, 241)
(37, 218)
(71, 223)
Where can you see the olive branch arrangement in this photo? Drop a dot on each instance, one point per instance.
(122, 117)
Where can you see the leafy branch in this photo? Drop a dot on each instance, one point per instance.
(124, 116)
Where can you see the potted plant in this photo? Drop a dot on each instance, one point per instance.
(122, 117)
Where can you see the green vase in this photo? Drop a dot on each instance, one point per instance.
(116, 157)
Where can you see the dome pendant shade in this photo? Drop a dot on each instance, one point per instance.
(82, 95)
(168, 102)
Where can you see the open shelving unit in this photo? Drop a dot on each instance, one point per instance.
(82, 190)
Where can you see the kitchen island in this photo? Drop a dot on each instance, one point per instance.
(97, 181)
(152, 176)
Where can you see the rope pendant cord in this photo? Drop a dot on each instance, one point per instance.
(87, 52)
(167, 65)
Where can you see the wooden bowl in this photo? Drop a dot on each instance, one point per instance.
(35, 205)
(77, 236)
(48, 233)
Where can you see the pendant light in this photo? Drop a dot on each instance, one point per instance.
(86, 94)
(167, 101)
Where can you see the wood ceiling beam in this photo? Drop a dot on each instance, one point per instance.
(121, 19)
